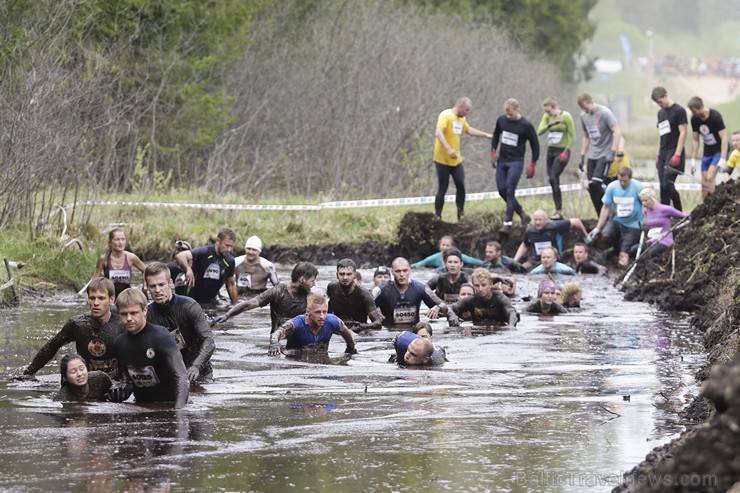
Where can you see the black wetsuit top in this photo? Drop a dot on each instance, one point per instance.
(92, 341)
(151, 364)
(446, 290)
(98, 382)
(514, 136)
(186, 321)
(283, 305)
(210, 271)
(497, 308)
(555, 308)
(588, 267)
(353, 308)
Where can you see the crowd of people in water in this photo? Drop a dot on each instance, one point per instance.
(156, 341)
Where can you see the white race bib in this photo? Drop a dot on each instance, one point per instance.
(212, 272)
(457, 128)
(143, 376)
(540, 245)
(554, 138)
(120, 276)
(178, 339)
(664, 127)
(509, 139)
(709, 138)
(654, 233)
(625, 206)
(593, 132)
(244, 280)
(404, 315)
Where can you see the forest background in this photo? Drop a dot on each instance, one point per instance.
(259, 101)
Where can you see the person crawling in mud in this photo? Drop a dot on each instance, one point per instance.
(550, 265)
(351, 302)
(312, 330)
(414, 350)
(79, 385)
(545, 302)
(583, 264)
(447, 285)
(487, 305)
(435, 260)
(93, 332)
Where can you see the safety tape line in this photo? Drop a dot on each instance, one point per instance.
(354, 204)
(8, 284)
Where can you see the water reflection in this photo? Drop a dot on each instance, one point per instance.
(512, 410)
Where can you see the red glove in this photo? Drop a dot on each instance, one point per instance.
(676, 160)
(564, 156)
(530, 169)
(493, 156)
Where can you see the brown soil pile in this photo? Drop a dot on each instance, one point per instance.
(706, 281)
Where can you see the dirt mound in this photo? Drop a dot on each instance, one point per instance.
(706, 280)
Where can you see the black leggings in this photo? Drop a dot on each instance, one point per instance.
(555, 168)
(443, 177)
(667, 176)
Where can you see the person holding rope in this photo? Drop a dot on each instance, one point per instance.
(658, 224)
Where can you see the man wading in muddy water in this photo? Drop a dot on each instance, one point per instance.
(212, 266)
(350, 302)
(93, 332)
(312, 330)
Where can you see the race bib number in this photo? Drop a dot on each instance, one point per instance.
(120, 276)
(593, 132)
(625, 206)
(212, 272)
(179, 339)
(541, 245)
(457, 128)
(143, 376)
(404, 315)
(451, 298)
(654, 233)
(244, 281)
(554, 138)
(664, 127)
(509, 139)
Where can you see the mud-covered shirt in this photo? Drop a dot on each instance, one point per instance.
(252, 278)
(98, 383)
(446, 289)
(93, 341)
(151, 364)
(354, 307)
(210, 271)
(536, 307)
(709, 130)
(669, 120)
(187, 323)
(283, 305)
(588, 266)
(403, 308)
(497, 308)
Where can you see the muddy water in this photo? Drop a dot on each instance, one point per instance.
(536, 408)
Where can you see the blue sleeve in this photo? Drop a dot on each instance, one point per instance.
(472, 261)
(564, 269)
(433, 260)
(538, 270)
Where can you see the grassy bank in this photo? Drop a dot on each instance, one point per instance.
(152, 231)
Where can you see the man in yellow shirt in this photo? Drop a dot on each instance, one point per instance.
(451, 124)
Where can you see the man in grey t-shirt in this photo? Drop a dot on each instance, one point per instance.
(601, 139)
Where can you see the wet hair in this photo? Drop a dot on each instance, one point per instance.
(427, 347)
(695, 103)
(482, 273)
(64, 364)
(101, 284)
(346, 262)
(305, 270)
(423, 325)
(569, 290)
(625, 171)
(398, 260)
(130, 297)
(452, 252)
(154, 269)
(580, 244)
(550, 101)
(315, 299)
(658, 92)
(226, 234)
(494, 244)
(466, 285)
(447, 237)
(584, 98)
(648, 192)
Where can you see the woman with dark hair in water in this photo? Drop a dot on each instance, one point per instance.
(80, 385)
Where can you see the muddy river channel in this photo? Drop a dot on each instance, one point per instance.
(565, 403)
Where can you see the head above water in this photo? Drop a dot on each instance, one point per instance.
(419, 352)
(424, 330)
(73, 370)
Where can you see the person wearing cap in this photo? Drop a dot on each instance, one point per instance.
(353, 304)
(253, 271)
(545, 302)
(212, 266)
(381, 275)
(447, 285)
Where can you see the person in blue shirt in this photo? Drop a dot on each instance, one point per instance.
(550, 265)
(435, 260)
(312, 330)
(623, 198)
